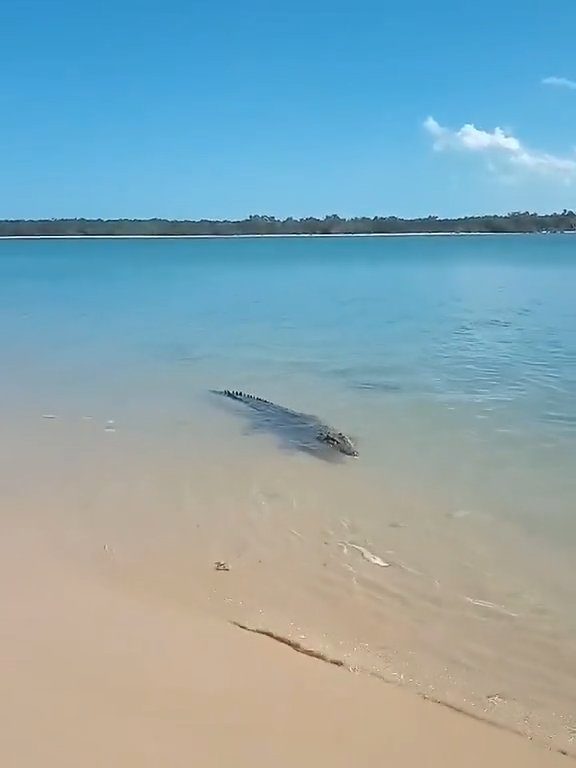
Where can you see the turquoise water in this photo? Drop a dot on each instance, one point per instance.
(477, 335)
(451, 360)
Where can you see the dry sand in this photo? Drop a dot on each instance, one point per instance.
(94, 676)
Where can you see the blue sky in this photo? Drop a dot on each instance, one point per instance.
(191, 109)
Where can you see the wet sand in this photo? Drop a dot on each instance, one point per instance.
(143, 515)
(94, 675)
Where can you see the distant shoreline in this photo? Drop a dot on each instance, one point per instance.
(309, 226)
(233, 237)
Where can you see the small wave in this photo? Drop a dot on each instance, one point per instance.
(565, 419)
(296, 646)
(491, 606)
(494, 322)
(366, 554)
(376, 386)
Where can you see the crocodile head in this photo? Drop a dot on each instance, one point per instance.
(339, 442)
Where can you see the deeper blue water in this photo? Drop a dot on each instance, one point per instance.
(451, 361)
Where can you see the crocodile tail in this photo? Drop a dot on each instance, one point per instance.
(236, 394)
(225, 393)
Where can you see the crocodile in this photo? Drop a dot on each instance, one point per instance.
(300, 428)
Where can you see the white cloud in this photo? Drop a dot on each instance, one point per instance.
(470, 137)
(560, 82)
(499, 145)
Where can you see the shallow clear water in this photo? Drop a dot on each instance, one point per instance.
(451, 360)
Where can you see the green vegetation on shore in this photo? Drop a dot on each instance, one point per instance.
(269, 225)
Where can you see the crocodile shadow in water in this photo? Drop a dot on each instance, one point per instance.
(296, 431)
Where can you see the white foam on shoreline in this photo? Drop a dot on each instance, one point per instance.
(366, 554)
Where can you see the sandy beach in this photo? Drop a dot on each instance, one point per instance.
(93, 676)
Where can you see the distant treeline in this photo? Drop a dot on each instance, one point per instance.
(269, 225)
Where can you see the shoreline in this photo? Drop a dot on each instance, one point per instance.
(138, 553)
(231, 237)
(102, 676)
(139, 507)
